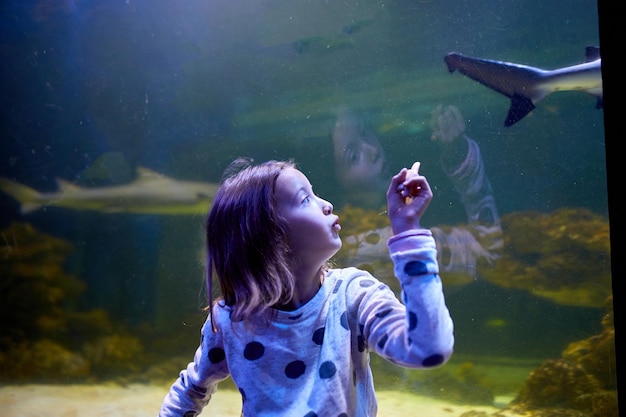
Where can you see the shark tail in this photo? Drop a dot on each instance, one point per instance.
(26, 196)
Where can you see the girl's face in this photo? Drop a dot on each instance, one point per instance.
(313, 229)
(359, 157)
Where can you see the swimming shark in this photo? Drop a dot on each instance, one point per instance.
(526, 85)
(149, 193)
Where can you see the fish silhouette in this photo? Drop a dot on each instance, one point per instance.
(526, 85)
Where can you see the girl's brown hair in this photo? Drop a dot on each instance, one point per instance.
(246, 240)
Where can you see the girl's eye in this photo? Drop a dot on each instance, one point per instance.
(351, 154)
(306, 200)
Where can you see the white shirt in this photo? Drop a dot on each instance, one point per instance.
(314, 361)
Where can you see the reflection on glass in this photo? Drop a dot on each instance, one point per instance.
(120, 117)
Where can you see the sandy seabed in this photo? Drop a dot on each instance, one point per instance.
(144, 401)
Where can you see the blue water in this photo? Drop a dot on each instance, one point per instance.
(184, 87)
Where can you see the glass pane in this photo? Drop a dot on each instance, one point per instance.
(119, 118)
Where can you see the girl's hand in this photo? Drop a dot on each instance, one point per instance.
(447, 124)
(408, 197)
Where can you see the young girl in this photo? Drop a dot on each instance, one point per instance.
(294, 334)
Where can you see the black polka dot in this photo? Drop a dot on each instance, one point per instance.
(216, 355)
(190, 414)
(415, 268)
(433, 360)
(383, 313)
(343, 415)
(295, 369)
(253, 351)
(383, 341)
(412, 320)
(327, 370)
(364, 283)
(318, 336)
(344, 320)
(310, 414)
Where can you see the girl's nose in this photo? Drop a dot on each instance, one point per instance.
(327, 207)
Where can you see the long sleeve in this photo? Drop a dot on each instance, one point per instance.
(461, 250)
(193, 389)
(473, 186)
(481, 240)
(418, 334)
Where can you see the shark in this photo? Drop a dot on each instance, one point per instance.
(149, 193)
(526, 85)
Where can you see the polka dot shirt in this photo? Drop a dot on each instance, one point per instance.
(314, 361)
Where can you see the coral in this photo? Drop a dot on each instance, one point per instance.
(44, 361)
(34, 286)
(356, 220)
(575, 385)
(563, 256)
(597, 353)
(44, 336)
(564, 388)
(360, 228)
(114, 354)
(558, 383)
(53, 360)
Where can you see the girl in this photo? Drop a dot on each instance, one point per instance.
(294, 334)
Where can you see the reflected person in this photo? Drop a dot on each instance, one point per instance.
(361, 164)
(295, 334)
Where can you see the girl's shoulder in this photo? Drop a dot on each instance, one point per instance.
(219, 315)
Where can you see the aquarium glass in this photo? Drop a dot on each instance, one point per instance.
(120, 117)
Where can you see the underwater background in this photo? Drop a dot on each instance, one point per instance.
(95, 91)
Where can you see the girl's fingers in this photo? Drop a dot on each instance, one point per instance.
(408, 185)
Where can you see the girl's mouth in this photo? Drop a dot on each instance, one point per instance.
(336, 226)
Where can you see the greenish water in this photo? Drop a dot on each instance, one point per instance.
(184, 87)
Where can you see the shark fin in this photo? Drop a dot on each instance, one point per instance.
(65, 185)
(520, 107)
(592, 53)
(144, 173)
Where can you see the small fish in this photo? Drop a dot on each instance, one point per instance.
(355, 27)
(496, 323)
(149, 193)
(526, 85)
(321, 45)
